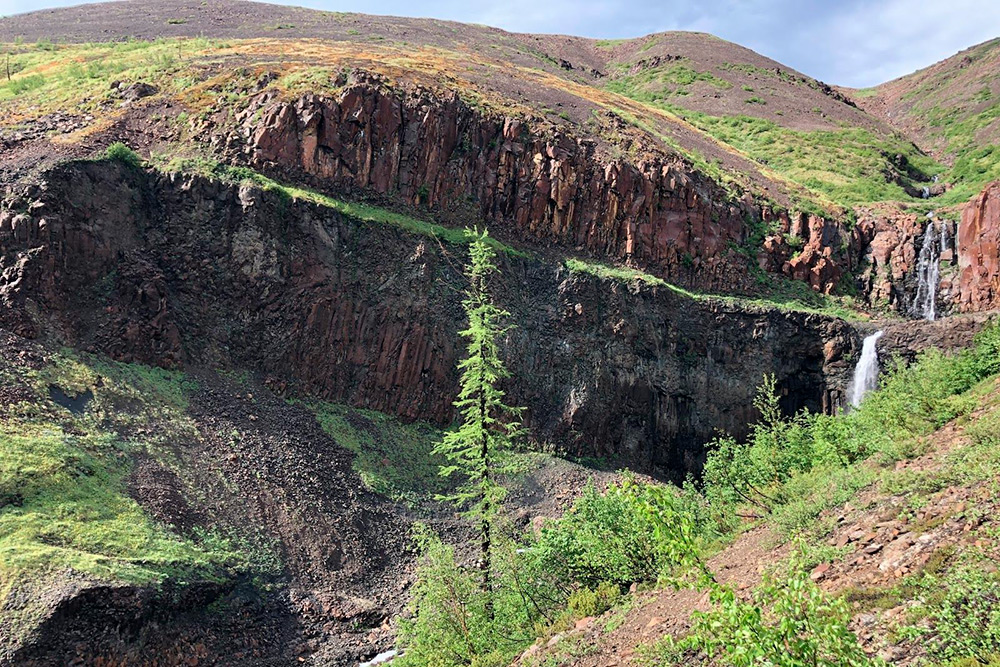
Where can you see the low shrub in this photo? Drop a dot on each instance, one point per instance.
(616, 537)
(592, 602)
(788, 622)
(961, 610)
(119, 152)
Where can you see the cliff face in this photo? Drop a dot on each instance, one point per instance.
(543, 188)
(978, 256)
(969, 263)
(172, 270)
(888, 271)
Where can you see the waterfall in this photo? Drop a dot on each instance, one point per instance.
(866, 372)
(928, 275)
(925, 192)
(944, 239)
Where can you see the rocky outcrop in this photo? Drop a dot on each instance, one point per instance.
(543, 187)
(890, 243)
(907, 339)
(978, 255)
(184, 270)
(809, 248)
(968, 254)
(549, 190)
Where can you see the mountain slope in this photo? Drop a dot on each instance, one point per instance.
(670, 74)
(952, 110)
(270, 202)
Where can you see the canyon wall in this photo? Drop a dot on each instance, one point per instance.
(542, 187)
(172, 270)
(967, 251)
(978, 254)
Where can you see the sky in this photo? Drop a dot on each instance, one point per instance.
(846, 42)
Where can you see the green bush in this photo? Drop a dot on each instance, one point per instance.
(454, 622)
(789, 622)
(615, 537)
(119, 152)
(592, 602)
(962, 609)
(24, 84)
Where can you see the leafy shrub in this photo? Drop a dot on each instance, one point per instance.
(591, 602)
(617, 537)
(737, 473)
(789, 622)
(455, 623)
(24, 84)
(119, 152)
(963, 612)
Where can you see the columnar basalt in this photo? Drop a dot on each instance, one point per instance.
(172, 269)
(539, 186)
(978, 254)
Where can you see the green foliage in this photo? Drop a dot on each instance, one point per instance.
(77, 77)
(63, 502)
(789, 622)
(592, 602)
(845, 166)
(961, 609)
(576, 567)
(488, 426)
(453, 623)
(23, 84)
(783, 294)
(737, 473)
(657, 83)
(119, 152)
(617, 536)
(392, 458)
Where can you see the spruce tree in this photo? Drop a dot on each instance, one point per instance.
(488, 426)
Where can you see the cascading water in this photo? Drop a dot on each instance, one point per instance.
(866, 372)
(928, 273)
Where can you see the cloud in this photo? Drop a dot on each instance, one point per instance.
(850, 42)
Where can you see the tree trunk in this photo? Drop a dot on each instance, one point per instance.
(485, 560)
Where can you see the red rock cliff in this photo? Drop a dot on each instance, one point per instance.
(542, 187)
(978, 259)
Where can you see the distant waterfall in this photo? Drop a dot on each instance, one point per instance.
(929, 272)
(925, 192)
(866, 372)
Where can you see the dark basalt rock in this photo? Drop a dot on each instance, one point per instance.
(175, 270)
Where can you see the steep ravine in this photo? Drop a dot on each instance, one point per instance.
(182, 270)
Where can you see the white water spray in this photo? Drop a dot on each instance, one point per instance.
(866, 372)
(381, 658)
(928, 274)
